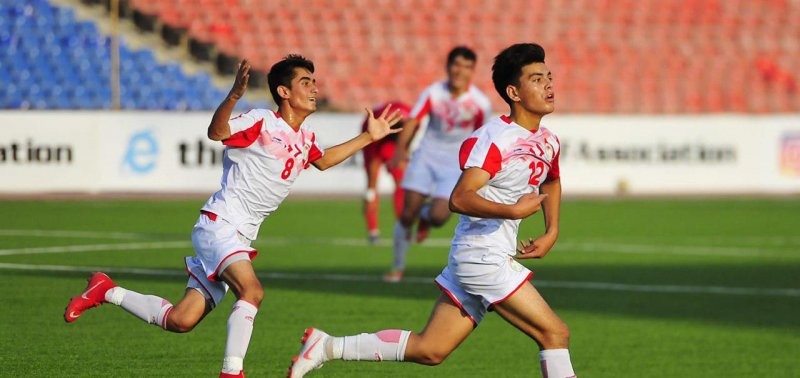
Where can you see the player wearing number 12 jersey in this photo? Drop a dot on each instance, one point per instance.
(264, 154)
(510, 170)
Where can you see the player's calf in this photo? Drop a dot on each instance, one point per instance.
(242, 279)
(319, 347)
(102, 289)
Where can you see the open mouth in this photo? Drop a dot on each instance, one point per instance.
(550, 98)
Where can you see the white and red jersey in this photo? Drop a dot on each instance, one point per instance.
(263, 157)
(451, 120)
(518, 161)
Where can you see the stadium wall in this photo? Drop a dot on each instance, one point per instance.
(106, 152)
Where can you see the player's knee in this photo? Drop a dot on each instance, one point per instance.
(253, 294)
(438, 220)
(557, 337)
(407, 218)
(432, 357)
(181, 324)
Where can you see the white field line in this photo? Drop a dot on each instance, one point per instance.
(73, 234)
(96, 247)
(591, 246)
(703, 241)
(692, 250)
(584, 285)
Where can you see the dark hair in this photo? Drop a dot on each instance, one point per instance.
(507, 67)
(462, 51)
(282, 73)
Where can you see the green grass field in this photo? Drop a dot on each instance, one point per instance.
(649, 288)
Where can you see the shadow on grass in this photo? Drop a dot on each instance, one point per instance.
(750, 310)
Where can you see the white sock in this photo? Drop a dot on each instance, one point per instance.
(386, 345)
(425, 212)
(402, 238)
(556, 363)
(149, 308)
(240, 328)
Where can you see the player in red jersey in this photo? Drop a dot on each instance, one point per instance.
(505, 165)
(265, 152)
(376, 155)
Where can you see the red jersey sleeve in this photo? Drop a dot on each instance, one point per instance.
(555, 170)
(423, 106)
(245, 129)
(315, 151)
(479, 152)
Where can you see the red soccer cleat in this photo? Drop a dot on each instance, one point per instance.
(226, 375)
(423, 230)
(93, 296)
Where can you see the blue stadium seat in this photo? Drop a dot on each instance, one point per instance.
(50, 60)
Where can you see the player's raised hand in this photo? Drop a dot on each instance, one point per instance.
(380, 127)
(536, 249)
(242, 77)
(528, 204)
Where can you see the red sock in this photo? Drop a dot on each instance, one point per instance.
(371, 205)
(371, 215)
(398, 192)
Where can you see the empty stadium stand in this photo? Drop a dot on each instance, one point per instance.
(620, 56)
(49, 60)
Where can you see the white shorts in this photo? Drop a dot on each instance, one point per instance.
(432, 174)
(217, 245)
(476, 279)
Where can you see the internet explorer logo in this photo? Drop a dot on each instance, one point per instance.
(142, 153)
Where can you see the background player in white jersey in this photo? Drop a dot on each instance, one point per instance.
(506, 165)
(265, 152)
(455, 108)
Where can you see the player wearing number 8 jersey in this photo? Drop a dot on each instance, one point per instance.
(265, 152)
(505, 164)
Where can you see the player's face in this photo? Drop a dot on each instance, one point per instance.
(303, 91)
(535, 91)
(460, 71)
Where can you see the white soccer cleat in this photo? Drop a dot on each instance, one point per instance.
(312, 355)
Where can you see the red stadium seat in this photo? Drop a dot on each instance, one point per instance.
(400, 46)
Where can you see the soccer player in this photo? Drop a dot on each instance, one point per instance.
(455, 108)
(510, 171)
(264, 154)
(376, 155)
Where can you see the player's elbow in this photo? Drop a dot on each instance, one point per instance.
(322, 165)
(214, 135)
(456, 203)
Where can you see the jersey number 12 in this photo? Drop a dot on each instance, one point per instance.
(537, 170)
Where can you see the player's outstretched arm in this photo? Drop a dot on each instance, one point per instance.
(551, 206)
(465, 199)
(377, 129)
(219, 128)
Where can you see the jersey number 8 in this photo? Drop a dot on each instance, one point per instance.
(287, 171)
